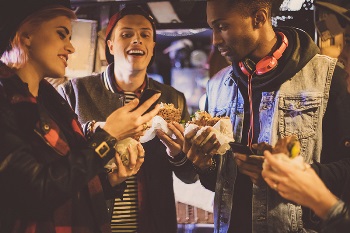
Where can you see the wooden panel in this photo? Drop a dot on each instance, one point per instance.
(189, 214)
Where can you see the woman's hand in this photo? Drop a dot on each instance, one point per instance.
(128, 121)
(123, 172)
(302, 186)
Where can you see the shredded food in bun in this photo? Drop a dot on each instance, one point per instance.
(169, 113)
(202, 118)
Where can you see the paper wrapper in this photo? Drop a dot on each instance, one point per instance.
(157, 123)
(223, 131)
(122, 149)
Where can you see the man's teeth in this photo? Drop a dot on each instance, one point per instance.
(136, 52)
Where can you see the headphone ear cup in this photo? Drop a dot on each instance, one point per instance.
(265, 65)
(244, 69)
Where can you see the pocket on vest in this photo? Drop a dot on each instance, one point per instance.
(298, 115)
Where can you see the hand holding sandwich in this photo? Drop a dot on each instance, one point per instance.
(122, 172)
(174, 145)
(200, 149)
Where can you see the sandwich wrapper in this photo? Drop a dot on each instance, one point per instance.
(122, 149)
(122, 145)
(157, 123)
(223, 131)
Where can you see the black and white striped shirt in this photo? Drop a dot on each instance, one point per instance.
(125, 211)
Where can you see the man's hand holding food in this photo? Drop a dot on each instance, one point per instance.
(201, 148)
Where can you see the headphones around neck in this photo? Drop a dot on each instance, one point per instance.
(266, 64)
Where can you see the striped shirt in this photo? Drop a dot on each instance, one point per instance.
(125, 212)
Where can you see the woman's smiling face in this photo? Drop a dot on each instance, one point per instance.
(49, 46)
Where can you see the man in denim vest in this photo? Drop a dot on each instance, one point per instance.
(278, 85)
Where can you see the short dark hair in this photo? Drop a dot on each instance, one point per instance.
(248, 7)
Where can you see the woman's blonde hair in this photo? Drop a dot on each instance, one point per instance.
(17, 56)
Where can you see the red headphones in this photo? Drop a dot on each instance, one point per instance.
(266, 64)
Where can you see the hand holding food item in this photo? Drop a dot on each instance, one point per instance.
(221, 127)
(288, 145)
(122, 149)
(167, 113)
(286, 149)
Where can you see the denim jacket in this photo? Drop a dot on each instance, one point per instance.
(296, 108)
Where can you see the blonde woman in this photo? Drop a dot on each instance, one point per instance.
(52, 178)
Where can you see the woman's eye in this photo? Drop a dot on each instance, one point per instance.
(61, 35)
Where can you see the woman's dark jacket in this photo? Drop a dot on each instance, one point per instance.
(50, 175)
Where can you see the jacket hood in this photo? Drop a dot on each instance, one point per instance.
(301, 49)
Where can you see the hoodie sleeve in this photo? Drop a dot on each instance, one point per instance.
(336, 121)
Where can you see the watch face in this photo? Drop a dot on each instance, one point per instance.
(198, 58)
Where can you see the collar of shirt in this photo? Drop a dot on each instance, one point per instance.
(112, 83)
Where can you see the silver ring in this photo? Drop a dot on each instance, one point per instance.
(275, 186)
(141, 156)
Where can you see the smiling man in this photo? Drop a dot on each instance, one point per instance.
(148, 204)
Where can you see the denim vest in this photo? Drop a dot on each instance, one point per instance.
(296, 108)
